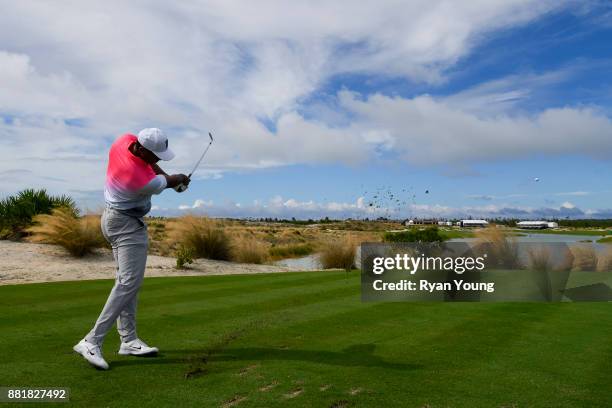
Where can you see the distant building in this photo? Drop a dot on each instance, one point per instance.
(421, 222)
(473, 223)
(536, 224)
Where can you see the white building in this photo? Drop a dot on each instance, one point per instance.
(473, 223)
(536, 224)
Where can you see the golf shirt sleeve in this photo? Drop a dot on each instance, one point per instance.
(155, 186)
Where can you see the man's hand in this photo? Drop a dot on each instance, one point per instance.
(177, 179)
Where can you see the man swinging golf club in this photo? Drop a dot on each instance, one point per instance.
(132, 177)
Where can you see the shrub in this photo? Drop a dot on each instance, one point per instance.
(79, 236)
(248, 250)
(205, 237)
(585, 258)
(539, 259)
(289, 251)
(17, 212)
(184, 256)
(339, 254)
(604, 263)
(431, 234)
(502, 250)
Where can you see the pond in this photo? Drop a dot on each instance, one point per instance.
(544, 238)
(306, 263)
(312, 263)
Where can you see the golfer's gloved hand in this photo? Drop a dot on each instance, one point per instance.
(176, 180)
(185, 180)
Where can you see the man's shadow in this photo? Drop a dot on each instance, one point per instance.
(358, 355)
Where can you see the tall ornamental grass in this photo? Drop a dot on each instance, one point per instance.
(77, 235)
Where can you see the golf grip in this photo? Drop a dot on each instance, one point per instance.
(180, 188)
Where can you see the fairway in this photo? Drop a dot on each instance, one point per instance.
(306, 339)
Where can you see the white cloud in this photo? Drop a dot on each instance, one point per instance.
(574, 193)
(197, 204)
(193, 66)
(429, 131)
(278, 207)
(568, 205)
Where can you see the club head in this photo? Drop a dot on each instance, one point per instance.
(211, 138)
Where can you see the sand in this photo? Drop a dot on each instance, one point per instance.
(29, 263)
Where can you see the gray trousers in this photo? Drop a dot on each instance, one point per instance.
(129, 239)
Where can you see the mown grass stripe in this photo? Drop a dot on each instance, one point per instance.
(85, 304)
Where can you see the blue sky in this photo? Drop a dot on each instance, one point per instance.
(455, 109)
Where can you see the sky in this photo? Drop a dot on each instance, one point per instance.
(402, 109)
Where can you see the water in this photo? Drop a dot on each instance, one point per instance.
(569, 239)
(312, 263)
(306, 263)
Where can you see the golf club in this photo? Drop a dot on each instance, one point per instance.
(181, 187)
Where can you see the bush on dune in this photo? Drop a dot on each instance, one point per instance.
(502, 250)
(339, 254)
(540, 259)
(604, 263)
(184, 256)
(203, 236)
(431, 234)
(249, 250)
(17, 211)
(79, 236)
(585, 258)
(291, 250)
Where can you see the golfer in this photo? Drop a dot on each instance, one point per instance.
(132, 177)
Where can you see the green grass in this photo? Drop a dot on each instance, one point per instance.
(291, 251)
(306, 340)
(606, 240)
(456, 233)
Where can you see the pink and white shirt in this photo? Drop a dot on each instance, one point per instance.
(130, 181)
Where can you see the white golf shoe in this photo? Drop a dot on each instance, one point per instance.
(91, 353)
(137, 348)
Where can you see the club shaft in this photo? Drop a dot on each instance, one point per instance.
(200, 160)
(203, 154)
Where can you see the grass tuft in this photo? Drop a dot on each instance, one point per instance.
(203, 236)
(604, 262)
(291, 251)
(79, 236)
(249, 250)
(339, 254)
(539, 259)
(502, 249)
(585, 258)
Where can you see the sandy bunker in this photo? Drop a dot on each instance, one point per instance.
(29, 263)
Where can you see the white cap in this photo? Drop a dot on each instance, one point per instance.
(155, 140)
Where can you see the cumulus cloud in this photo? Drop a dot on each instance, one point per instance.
(76, 76)
(197, 204)
(427, 130)
(279, 207)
